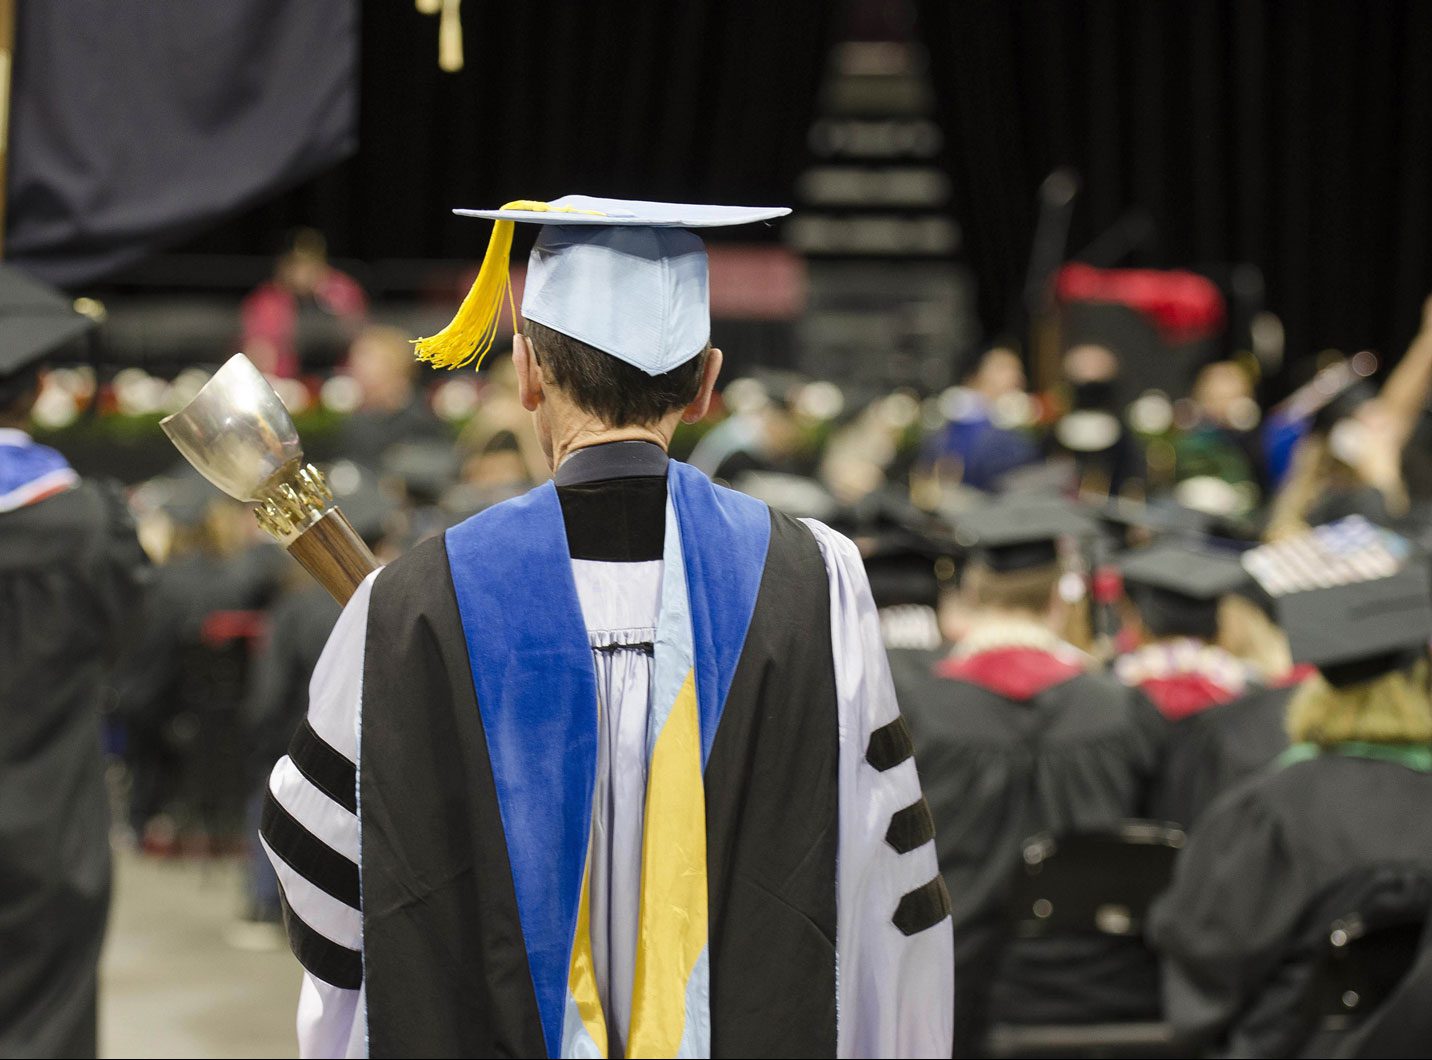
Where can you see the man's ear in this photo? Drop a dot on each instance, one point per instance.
(529, 373)
(698, 408)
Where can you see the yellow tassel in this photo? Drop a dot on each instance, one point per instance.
(470, 335)
(474, 329)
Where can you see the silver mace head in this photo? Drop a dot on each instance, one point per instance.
(238, 435)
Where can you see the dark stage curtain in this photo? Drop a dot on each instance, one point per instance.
(140, 122)
(702, 101)
(1294, 136)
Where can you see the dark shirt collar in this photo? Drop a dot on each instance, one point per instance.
(597, 463)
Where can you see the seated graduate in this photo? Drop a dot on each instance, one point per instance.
(1273, 862)
(1213, 750)
(1174, 589)
(1018, 732)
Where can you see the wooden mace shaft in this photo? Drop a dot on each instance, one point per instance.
(334, 554)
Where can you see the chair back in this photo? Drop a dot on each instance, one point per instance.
(1363, 966)
(1094, 882)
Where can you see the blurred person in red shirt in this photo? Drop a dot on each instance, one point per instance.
(307, 303)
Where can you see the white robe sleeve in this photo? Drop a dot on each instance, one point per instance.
(895, 991)
(332, 1022)
(311, 829)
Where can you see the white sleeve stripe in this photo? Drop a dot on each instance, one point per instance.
(336, 921)
(313, 809)
(337, 680)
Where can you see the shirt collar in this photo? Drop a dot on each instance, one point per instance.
(14, 436)
(611, 460)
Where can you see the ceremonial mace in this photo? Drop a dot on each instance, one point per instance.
(238, 435)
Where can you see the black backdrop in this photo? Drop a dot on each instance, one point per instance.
(702, 100)
(1296, 136)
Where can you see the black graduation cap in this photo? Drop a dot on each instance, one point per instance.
(908, 553)
(1176, 585)
(1018, 532)
(1352, 597)
(908, 566)
(36, 321)
(1122, 518)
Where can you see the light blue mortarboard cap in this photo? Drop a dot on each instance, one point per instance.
(625, 276)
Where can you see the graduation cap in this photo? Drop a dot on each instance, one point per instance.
(625, 276)
(1122, 518)
(1352, 597)
(1018, 533)
(1176, 585)
(36, 321)
(1125, 519)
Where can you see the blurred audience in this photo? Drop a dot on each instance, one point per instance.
(1351, 460)
(1065, 666)
(392, 408)
(985, 437)
(307, 311)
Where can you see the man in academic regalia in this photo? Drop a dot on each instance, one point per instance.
(69, 571)
(1335, 829)
(614, 768)
(1016, 733)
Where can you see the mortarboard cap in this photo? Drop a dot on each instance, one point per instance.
(35, 322)
(1177, 586)
(1016, 533)
(1346, 593)
(1131, 522)
(625, 276)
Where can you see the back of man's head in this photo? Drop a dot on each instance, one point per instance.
(1030, 591)
(616, 393)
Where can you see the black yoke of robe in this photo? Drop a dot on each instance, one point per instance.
(445, 966)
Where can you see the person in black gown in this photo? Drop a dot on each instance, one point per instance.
(1316, 837)
(70, 570)
(1175, 588)
(1017, 732)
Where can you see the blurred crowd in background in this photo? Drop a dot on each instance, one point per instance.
(1146, 417)
(1079, 258)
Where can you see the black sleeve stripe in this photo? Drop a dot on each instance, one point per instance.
(889, 745)
(324, 767)
(307, 855)
(922, 908)
(911, 827)
(321, 957)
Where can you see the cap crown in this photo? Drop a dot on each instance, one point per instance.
(640, 294)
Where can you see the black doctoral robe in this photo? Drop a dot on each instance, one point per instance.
(69, 572)
(1270, 866)
(1022, 742)
(828, 923)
